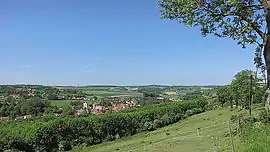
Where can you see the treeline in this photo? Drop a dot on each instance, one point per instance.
(44, 92)
(192, 95)
(244, 87)
(66, 94)
(65, 133)
(27, 91)
(11, 107)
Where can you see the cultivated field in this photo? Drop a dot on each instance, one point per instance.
(111, 93)
(180, 137)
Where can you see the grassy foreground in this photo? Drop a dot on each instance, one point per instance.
(179, 137)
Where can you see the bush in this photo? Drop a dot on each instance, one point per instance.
(157, 123)
(265, 116)
(234, 118)
(193, 111)
(64, 146)
(149, 126)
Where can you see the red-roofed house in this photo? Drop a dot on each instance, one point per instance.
(97, 109)
(117, 107)
(14, 95)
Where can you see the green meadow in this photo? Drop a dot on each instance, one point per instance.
(179, 137)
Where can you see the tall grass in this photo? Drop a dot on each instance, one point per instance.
(256, 138)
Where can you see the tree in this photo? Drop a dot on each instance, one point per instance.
(52, 96)
(224, 95)
(68, 111)
(76, 104)
(258, 94)
(241, 87)
(151, 94)
(95, 98)
(105, 103)
(246, 21)
(33, 106)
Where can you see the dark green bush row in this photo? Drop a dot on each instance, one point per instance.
(65, 133)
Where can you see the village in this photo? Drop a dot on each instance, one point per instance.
(23, 100)
(115, 104)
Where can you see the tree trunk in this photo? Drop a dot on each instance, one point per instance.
(236, 103)
(266, 53)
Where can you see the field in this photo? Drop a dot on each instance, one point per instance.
(64, 103)
(111, 93)
(180, 137)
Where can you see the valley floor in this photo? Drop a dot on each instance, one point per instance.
(212, 135)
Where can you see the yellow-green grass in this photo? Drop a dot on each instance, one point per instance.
(111, 93)
(179, 137)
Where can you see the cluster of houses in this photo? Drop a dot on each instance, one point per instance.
(170, 99)
(99, 109)
(62, 97)
(15, 95)
(28, 92)
(17, 118)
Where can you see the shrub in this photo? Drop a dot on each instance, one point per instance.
(265, 116)
(234, 118)
(157, 123)
(64, 146)
(165, 120)
(149, 126)
(193, 111)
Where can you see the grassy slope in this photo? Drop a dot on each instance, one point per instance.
(182, 137)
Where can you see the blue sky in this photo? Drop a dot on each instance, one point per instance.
(67, 42)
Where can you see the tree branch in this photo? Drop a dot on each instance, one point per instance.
(253, 25)
(265, 6)
(254, 7)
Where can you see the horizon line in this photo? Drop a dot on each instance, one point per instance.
(113, 85)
